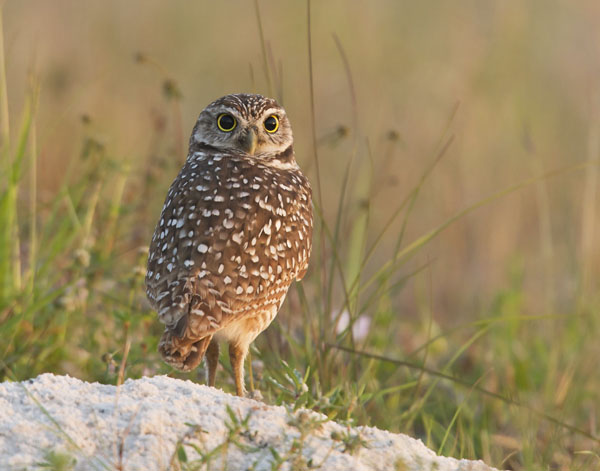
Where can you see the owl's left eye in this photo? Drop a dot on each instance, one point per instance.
(271, 124)
(226, 122)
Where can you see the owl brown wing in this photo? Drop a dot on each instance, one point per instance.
(190, 251)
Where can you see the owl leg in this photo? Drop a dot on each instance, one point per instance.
(237, 354)
(212, 360)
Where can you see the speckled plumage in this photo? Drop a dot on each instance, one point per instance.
(234, 232)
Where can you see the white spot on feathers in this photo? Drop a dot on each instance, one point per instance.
(237, 237)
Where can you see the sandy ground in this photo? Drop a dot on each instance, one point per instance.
(162, 423)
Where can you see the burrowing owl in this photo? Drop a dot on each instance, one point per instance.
(234, 232)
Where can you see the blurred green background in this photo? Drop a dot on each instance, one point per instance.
(430, 107)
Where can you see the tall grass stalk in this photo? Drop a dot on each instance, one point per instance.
(4, 118)
(263, 46)
(589, 220)
(11, 276)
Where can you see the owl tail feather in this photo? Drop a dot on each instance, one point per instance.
(182, 353)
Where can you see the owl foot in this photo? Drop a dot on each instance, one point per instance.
(255, 395)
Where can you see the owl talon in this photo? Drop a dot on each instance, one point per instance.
(255, 395)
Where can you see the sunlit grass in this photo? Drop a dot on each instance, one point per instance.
(517, 387)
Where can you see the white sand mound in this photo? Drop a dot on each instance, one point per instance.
(162, 423)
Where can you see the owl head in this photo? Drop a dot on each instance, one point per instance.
(244, 123)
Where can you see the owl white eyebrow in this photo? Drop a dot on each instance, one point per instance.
(269, 111)
(232, 111)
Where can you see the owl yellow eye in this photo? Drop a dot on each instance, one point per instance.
(271, 124)
(226, 122)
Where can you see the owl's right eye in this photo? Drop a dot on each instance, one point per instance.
(226, 122)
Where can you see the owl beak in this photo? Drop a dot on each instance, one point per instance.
(249, 140)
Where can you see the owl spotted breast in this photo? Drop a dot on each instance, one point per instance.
(235, 231)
